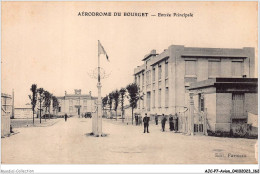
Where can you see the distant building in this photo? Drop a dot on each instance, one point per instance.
(164, 79)
(6, 111)
(77, 103)
(23, 111)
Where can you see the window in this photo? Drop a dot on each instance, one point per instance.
(237, 69)
(139, 81)
(201, 103)
(190, 67)
(166, 69)
(85, 101)
(166, 97)
(153, 98)
(159, 72)
(148, 98)
(71, 109)
(214, 68)
(78, 101)
(142, 78)
(85, 108)
(153, 74)
(159, 98)
(71, 102)
(148, 77)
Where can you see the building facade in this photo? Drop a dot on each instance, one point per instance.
(164, 78)
(227, 102)
(77, 103)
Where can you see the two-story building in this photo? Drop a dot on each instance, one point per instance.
(77, 103)
(164, 79)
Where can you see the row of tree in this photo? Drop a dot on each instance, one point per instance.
(43, 99)
(114, 98)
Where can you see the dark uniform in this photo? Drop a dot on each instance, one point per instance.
(146, 123)
(136, 120)
(66, 116)
(171, 123)
(163, 122)
(156, 119)
(175, 122)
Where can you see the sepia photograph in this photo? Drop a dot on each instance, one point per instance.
(129, 82)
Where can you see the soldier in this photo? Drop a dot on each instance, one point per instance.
(163, 121)
(66, 116)
(156, 119)
(171, 123)
(175, 122)
(136, 119)
(146, 123)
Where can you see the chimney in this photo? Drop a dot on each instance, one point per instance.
(153, 52)
(65, 92)
(90, 93)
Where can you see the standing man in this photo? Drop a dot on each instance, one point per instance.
(175, 121)
(66, 116)
(156, 119)
(163, 121)
(171, 122)
(136, 119)
(146, 123)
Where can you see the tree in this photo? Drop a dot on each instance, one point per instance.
(116, 95)
(55, 104)
(40, 99)
(134, 96)
(122, 99)
(33, 98)
(104, 102)
(110, 101)
(47, 103)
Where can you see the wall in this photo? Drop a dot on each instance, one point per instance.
(23, 113)
(224, 107)
(251, 103)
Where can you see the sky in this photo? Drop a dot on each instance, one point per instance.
(48, 44)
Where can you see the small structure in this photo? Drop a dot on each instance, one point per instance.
(225, 102)
(23, 111)
(6, 102)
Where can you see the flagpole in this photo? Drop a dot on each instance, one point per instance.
(99, 114)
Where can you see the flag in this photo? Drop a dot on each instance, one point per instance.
(101, 50)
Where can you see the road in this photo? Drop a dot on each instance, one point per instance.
(68, 143)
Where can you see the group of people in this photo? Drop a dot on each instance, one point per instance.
(138, 120)
(173, 122)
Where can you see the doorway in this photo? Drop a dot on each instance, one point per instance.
(78, 111)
